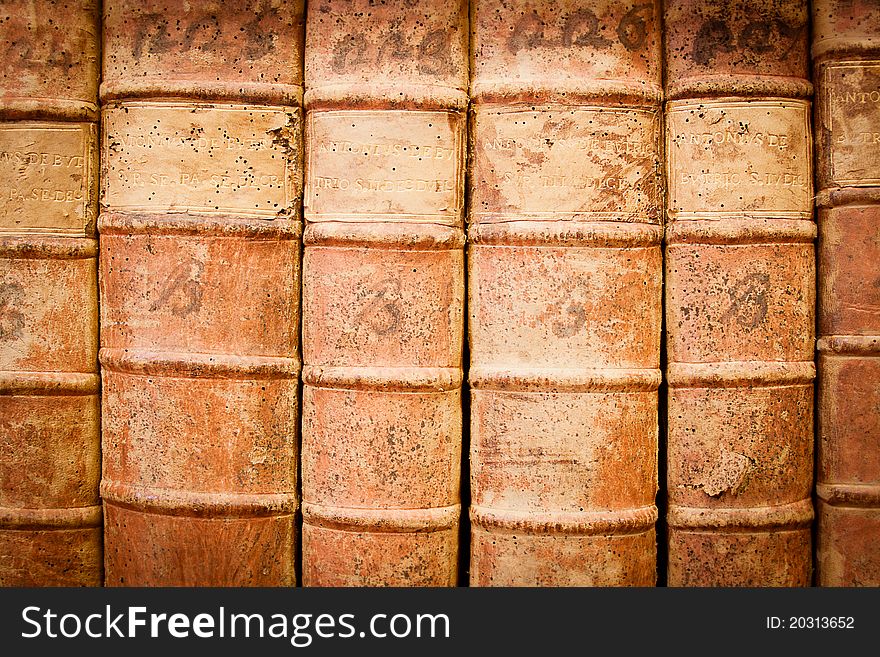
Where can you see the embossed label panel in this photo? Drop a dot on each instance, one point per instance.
(201, 158)
(400, 165)
(47, 169)
(852, 108)
(566, 162)
(739, 158)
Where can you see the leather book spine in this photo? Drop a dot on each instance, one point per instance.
(50, 513)
(846, 55)
(199, 281)
(564, 288)
(383, 291)
(740, 293)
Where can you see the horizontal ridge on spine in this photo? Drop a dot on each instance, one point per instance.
(47, 519)
(528, 232)
(198, 365)
(862, 46)
(797, 515)
(407, 237)
(479, 218)
(48, 109)
(725, 85)
(854, 345)
(166, 501)
(385, 379)
(384, 95)
(626, 521)
(740, 374)
(35, 246)
(676, 216)
(836, 196)
(566, 91)
(382, 520)
(192, 223)
(240, 92)
(741, 229)
(452, 220)
(850, 495)
(482, 377)
(49, 383)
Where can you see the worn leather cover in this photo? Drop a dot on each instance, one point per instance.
(50, 514)
(740, 293)
(200, 291)
(564, 290)
(383, 292)
(846, 55)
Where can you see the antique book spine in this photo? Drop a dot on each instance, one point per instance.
(383, 291)
(740, 293)
(199, 286)
(50, 513)
(564, 290)
(846, 52)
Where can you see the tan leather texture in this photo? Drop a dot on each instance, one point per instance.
(740, 294)
(383, 292)
(846, 51)
(564, 293)
(50, 514)
(199, 276)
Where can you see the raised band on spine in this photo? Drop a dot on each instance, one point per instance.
(165, 501)
(264, 93)
(850, 345)
(385, 379)
(797, 515)
(740, 374)
(732, 85)
(850, 495)
(40, 247)
(627, 521)
(742, 229)
(840, 196)
(193, 224)
(568, 92)
(382, 520)
(49, 383)
(385, 96)
(605, 234)
(483, 377)
(48, 109)
(47, 519)
(844, 46)
(212, 366)
(409, 237)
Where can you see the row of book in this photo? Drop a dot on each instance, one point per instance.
(612, 199)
